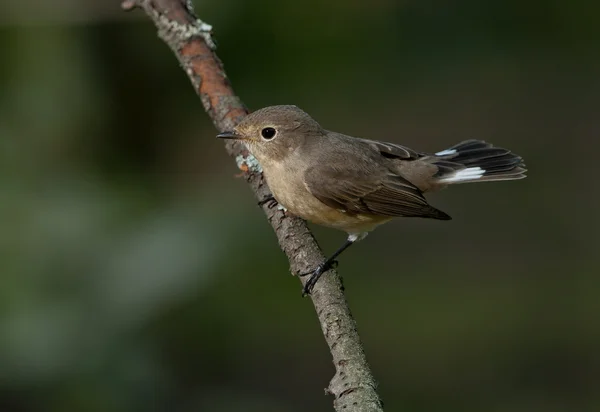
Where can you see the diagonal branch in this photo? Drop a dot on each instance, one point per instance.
(353, 385)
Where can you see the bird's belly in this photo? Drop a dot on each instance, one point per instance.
(340, 220)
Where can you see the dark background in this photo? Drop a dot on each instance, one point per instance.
(137, 273)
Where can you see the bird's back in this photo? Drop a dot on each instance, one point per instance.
(373, 158)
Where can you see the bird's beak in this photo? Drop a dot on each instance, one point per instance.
(229, 135)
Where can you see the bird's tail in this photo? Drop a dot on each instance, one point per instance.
(477, 161)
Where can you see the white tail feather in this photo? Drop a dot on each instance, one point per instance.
(446, 152)
(470, 173)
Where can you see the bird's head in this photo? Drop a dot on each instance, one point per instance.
(272, 133)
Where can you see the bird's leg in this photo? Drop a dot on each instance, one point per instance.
(272, 202)
(325, 266)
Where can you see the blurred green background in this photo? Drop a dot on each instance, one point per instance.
(138, 274)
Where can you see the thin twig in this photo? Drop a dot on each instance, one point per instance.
(353, 385)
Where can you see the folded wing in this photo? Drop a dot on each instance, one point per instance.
(364, 192)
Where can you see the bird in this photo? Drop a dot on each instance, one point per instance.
(354, 184)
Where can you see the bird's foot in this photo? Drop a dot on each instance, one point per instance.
(315, 275)
(270, 201)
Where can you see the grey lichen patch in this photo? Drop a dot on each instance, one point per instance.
(190, 6)
(250, 162)
(205, 30)
(185, 31)
(204, 98)
(227, 103)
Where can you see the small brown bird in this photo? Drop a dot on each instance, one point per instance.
(354, 184)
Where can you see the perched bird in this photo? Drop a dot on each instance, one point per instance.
(354, 184)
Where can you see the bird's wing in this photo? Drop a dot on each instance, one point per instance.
(360, 191)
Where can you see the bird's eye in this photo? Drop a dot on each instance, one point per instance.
(268, 133)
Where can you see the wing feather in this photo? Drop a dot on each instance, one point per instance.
(361, 192)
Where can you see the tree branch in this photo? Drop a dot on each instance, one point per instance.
(353, 385)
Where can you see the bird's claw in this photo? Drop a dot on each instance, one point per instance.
(270, 201)
(309, 285)
(315, 275)
(322, 268)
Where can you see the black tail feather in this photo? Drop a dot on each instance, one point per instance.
(477, 161)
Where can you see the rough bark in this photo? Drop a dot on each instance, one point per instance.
(353, 386)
